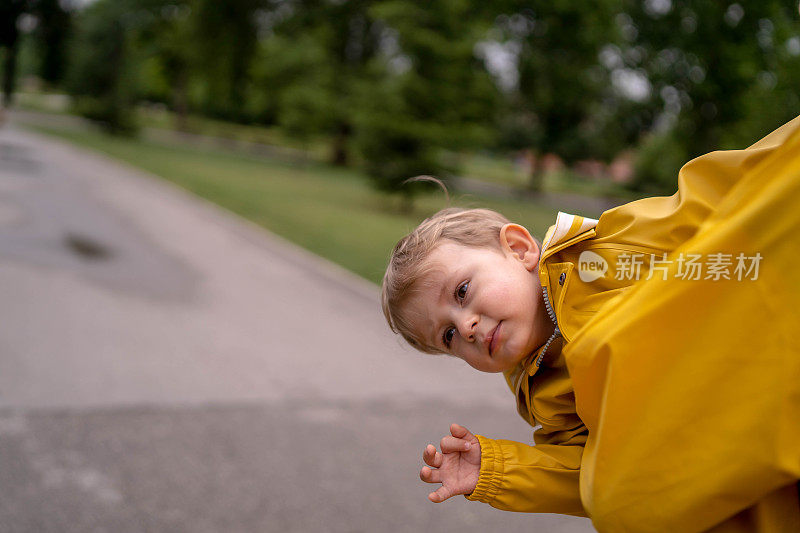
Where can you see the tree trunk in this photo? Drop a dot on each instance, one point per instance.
(535, 172)
(339, 156)
(9, 74)
(10, 10)
(179, 103)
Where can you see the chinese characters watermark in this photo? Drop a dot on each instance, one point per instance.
(688, 266)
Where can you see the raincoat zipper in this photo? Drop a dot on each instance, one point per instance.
(556, 333)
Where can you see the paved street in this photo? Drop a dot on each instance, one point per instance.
(168, 367)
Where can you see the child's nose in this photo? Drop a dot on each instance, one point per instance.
(468, 327)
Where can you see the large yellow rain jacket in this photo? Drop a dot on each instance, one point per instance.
(675, 407)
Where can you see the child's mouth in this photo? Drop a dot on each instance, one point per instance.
(493, 336)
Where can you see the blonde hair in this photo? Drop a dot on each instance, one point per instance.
(476, 228)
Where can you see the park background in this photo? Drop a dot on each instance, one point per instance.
(166, 367)
(510, 103)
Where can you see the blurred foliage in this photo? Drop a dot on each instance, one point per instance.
(50, 35)
(318, 54)
(10, 11)
(101, 77)
(49, 25)
(225, 38)
(721, 75)
(429, 93)
(166, 54)
(400, 86)
(557, 105)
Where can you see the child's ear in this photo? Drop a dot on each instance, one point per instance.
(517, 241)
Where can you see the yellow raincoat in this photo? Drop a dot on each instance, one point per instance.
(675, 407)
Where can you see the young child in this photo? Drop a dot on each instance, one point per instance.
(664, 383)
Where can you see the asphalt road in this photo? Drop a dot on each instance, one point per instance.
(167, 366)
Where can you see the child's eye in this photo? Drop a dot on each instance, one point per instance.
(461, 291)
(447, 337)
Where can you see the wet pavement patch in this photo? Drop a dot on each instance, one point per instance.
(86, 247)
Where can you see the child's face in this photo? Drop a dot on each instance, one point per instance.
(484, 305)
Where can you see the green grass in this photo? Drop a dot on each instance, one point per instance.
(316, 148)
(494, 168)
(158, 117)
(332, 212)
(487, 167)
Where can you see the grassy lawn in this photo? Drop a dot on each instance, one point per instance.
(494, 168)
(486, 167)
(158, 117)
(332, 212)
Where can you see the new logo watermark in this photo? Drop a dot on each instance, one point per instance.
(636, 266)
(591, 266)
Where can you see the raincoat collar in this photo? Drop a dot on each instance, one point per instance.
(567, 230)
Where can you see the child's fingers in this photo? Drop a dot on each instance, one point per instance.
(430, 476)
(431, 456)
(460, 432)
(452, 444)
(440, 495)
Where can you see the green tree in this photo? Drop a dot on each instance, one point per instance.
(51, 35)
(130, 50)
(557, 104)
(774, 98)
(10, 11)
(430, 93)
(721, 73)
(101, 76)
(309, 65)
(226, 38)
(166, 53)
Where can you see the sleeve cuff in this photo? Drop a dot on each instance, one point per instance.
(491, 473)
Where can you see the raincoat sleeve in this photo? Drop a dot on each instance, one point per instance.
(542, 478)
(532, 479)
(690, 389)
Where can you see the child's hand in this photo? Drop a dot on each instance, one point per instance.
(456, 468)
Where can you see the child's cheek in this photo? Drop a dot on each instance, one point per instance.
(505, 295)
